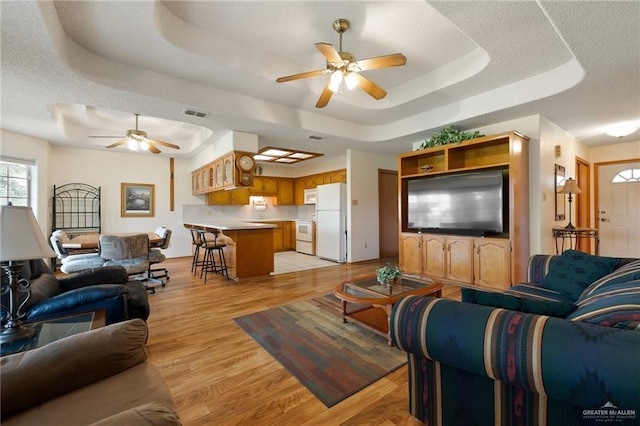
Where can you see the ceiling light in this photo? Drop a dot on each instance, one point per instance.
(144, 145)
(621, 130)
(300, 155)
(334, 82)
(351, 81)
(259, 157)
(275, 152)
(132, 144)
(283, 155)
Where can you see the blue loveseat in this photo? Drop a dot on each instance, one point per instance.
(562, 349)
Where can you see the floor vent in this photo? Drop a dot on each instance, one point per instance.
(195, 113)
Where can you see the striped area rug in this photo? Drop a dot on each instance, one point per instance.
(332, 359)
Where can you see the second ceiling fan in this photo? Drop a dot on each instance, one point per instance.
(137, 140)
(345, 69)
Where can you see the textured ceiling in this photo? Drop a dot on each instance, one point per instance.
(71, 69)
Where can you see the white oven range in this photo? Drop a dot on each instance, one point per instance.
(304, 236)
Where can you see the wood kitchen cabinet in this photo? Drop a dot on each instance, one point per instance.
(285, 191)
(284, 238)
(265, 185)
(232, 197)
(229, 167)
(289, 236)
(298, 191)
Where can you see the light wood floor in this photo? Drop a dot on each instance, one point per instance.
(219, 376)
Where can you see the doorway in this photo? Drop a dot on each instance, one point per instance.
(617, 207)
(388, 213)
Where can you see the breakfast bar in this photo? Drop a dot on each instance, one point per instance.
(249, 250)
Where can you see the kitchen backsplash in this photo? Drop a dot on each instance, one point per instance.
(198, 212)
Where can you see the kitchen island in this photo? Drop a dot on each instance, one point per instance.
(249, 250)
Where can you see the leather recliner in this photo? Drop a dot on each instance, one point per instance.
(106, 288)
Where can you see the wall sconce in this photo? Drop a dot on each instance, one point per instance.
(557, 149)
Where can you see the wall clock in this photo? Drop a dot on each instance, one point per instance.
(246, 163)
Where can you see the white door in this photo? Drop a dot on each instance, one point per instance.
(619, 209)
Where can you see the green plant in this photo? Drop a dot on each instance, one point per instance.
(448, 135)
(387, 273)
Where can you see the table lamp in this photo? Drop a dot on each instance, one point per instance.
(570, 187)
(20, 240)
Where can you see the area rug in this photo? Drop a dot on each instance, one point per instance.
(330, 358)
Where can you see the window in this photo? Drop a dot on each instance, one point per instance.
(629, 175)
(14, 183)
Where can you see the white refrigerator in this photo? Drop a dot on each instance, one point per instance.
(331, 222)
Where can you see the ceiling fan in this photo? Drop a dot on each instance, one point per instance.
(137, 140)
(345, 69)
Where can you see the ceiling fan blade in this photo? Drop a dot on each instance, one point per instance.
(395, 60)
(114, 145)
(167, 144)
(301, 75)
(325, 96)
(152, 147)
(329, 52)
(370, 87)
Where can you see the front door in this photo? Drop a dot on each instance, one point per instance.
(618, 212)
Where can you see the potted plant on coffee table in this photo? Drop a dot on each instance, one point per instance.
(388, 275)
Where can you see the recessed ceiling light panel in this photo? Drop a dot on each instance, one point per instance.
(284, 155)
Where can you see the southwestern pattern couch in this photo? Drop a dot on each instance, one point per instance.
(562, 349)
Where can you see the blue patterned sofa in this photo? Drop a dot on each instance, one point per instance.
(562, 349)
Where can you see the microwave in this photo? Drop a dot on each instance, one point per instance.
(310, 196)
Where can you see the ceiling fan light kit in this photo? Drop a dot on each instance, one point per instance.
(345, 69)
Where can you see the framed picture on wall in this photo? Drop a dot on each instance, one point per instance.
(137, 199)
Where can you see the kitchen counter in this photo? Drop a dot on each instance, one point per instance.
(230, 225)
(249, 250)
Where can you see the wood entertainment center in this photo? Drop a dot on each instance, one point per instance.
(494, 262)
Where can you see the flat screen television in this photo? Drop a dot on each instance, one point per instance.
(468, 203)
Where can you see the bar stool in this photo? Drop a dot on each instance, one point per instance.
(197, 242)
(210, 247)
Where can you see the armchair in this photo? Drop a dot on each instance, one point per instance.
(102, 288)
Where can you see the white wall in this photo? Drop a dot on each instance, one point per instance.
(362, 195)
(108, 169)
(622, 151)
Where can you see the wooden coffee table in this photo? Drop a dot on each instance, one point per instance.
(378, 300)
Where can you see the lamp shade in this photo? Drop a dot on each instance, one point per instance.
(570, 187)
(20, 235)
